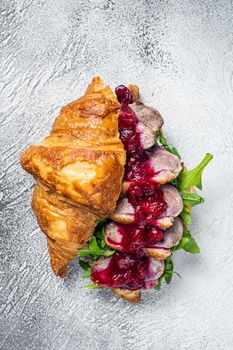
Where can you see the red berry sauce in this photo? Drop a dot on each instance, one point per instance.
(143, 194)
(132, 270)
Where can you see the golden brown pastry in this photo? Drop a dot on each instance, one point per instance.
(78, 170)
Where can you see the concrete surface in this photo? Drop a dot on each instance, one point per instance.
(180, 54)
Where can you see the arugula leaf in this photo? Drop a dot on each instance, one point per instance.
(96, 246)
(186, 215)
(84, 252)
(190, 198)
(99, 223)
(163, 142)
(167, 273)
(187, 243)
(91, 286)
(84, 265)
(191, 246)
(181, 244)
(87, 274)
(109, 252)
(189, 178)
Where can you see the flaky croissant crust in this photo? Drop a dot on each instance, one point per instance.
(78, 170)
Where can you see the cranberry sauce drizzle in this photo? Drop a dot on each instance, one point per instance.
(143, 194)
(135, 237)
(134, 270)
(137, 165)
(147, 200)
(129, 271)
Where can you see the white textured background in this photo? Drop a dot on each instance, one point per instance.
(180, 54)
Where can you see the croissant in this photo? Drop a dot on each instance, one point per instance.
(78, 171)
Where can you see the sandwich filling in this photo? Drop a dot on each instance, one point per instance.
(131, 249)
(145, 203)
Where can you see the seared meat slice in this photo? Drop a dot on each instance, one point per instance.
(127, 271)
(124, 212)
(148, 116)
(113, 236)
(156, 270)
(173, 199)
(172, 236)
(158, 253)
(147, 136)
(166, 166)
(174, 206)
(134, 296)
(165, 222)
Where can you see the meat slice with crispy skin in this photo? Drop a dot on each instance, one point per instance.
(165, 165)
(148, 116)
(127, 271)
(147, 135)
(125, 212)
(115, 235)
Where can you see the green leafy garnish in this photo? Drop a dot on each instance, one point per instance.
(84, 252)
(163, 142)
(94, 248)
(91, 286)
(84, 265)
(189, 178)
(187, 243)
(186, 215)
(97, 247)
(167, 273)
(190, 198)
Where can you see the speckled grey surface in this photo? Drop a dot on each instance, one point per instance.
(180, 54)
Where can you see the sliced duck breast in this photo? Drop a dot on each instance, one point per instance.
(173, 199)
(147, 136)
(174, 206)
(113, 236)
(165, 222)
(127, 271)
(171, 236)
(127, 238)
(164, 167)
(125, 212)
(158, 253)
(148, 116)
(120, 238)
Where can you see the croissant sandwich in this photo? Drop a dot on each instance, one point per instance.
(109, 188)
